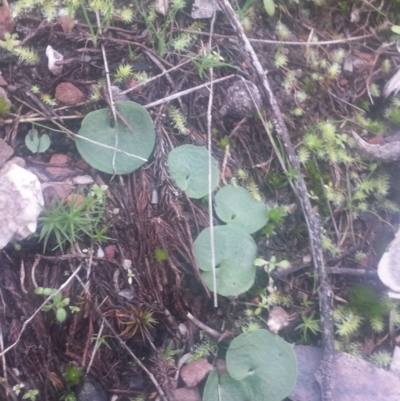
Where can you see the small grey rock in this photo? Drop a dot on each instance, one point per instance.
(238, 102)
(90, 390)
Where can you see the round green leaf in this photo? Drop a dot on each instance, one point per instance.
(35, 143)
(104, 144)
(188, 166)
(265, 364)
(61, 315)
(396, 29)
(269, 7)
(236, 206)
(230, 389)
(235, 252)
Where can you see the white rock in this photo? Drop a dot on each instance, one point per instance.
(21, 199)
(54, 56)
(389, 265)
(395, 364)
(204, 9)
(162, 6)
(83, 180)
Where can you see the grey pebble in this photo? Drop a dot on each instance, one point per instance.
(238, 103)
(90, 390)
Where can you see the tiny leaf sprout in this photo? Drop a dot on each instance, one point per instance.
(272, 264)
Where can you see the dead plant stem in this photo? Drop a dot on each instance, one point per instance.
(325, 376)
(185, 92)
(210, 188)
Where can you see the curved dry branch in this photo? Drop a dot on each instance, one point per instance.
(325, 374)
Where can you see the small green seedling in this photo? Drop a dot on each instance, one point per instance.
(35, 143)
(309, 325)
(10, 41)
(18, 387)
(70, 223)
(160, 255)
(101, 341)
(58, 304)
(269, 7)
(210, 60)
(68, 396)
(73, 374)
(31, 395)
(272, 264)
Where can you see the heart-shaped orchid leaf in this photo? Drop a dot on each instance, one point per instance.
(235, 252)
(188, 166)
(117, 147)
(264, 363)
(236, 206)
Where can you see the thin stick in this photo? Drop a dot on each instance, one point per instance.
(137, 360)
(35, 119)
(185, 92)
(96, 346)
(325, 376)
(210, 188)
(102, 145)
(3, 358)
(49, 298)
(211, 332)
(165, 72)
(282, 42)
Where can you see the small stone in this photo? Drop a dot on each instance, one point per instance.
(278, 319)
(195, 372)
(238, 102)
(56, 189)
(186, 394)
(90, 390)
(109, 252)
(202, 9)
(127, 294)
(54, 56)
(376, 140)
(20, 203)
(62, 160)
(117, 94)
(69, 94)
(6, 151)
(3, 82)
(83, 180)
(161, 7)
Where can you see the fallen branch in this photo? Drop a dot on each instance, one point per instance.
(325, 374)
(385, 153)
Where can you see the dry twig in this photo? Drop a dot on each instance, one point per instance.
(325, 374)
